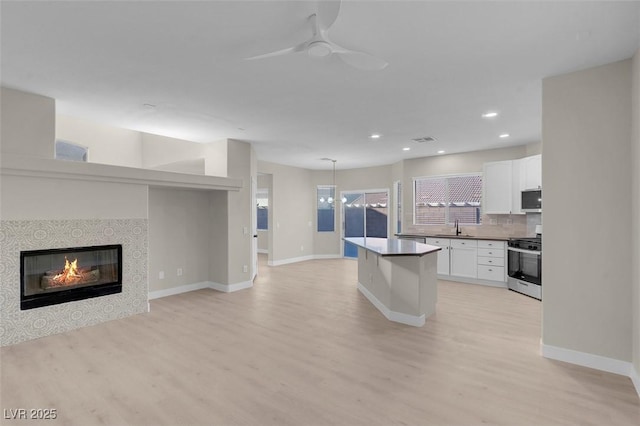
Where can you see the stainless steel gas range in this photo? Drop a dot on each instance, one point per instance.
(525, 266)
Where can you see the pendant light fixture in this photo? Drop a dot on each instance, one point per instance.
(330, 200)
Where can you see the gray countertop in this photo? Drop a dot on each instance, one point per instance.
(393, 247)
(465, 237)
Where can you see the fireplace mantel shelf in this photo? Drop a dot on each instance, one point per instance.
(15, 165)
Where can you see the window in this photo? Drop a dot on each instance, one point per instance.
(262, 198)
(71, 151)
(441, 200)
(326, 197)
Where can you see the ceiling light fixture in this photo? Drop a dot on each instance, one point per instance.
(406, 148)
(504, 135)
(375, 136)
(491, 114)
(441, 152)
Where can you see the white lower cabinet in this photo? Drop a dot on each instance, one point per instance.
(475, 261)
(443, 255)
(464, 258)
(492, 260)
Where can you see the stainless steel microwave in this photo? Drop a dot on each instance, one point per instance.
(532, 201)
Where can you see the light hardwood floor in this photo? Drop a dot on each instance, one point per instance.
(304, 347)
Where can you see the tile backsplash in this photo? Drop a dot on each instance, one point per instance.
(503, 226)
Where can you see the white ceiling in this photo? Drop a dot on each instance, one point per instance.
(448, 63)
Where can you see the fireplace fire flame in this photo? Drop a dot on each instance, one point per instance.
(70, 275)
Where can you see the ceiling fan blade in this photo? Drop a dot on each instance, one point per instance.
(295, 49)
(361, 60)
(328, 11)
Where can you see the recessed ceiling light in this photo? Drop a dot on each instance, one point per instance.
(490, 114)
(375, 136)
(504, 135)
(406, 148)
(441, 152)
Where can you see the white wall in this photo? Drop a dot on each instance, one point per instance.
(586, 133)
(107, 145)
(28, 124)
(179, 237)
(636, 216)
(161, 152)
(291, 213)
(241, 211)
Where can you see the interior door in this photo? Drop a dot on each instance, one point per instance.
(364, 214)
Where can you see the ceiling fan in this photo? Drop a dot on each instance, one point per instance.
(319, 45)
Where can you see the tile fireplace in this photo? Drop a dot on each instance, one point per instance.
(53, 276)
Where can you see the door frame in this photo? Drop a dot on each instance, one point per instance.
(342, 217)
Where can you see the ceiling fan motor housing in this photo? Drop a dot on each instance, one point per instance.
(319, 49)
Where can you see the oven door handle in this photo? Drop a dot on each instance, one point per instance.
(519, 250)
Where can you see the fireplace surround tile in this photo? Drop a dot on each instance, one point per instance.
(19, 235)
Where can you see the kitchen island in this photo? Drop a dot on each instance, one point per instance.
(398, 277)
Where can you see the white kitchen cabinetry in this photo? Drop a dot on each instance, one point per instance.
(492, 261)
(443, 255)
(531, 172)
(503, 182)
(464, 258)
(497, 187)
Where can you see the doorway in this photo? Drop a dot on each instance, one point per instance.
(364, 214)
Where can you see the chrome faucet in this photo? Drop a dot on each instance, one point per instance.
(458, 230)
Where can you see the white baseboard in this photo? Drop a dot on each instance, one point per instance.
(227, 288)
(597, 362)
(635, 378)
(416, 321)
(478, 281)
(178, 290)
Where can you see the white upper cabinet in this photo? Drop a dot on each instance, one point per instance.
(503, 182)
(497, 187)
(531, 172)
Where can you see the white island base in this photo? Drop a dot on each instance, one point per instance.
(398, 277)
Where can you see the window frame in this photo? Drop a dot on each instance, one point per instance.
(446, 177)
(333, 206)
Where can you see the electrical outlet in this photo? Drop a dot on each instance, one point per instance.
(179, 272)
(245, 230)
(509, 221)
(161, 275)
(301, 248)
(493, 221)
(245, 268)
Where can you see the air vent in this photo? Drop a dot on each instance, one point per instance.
(425, 139)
